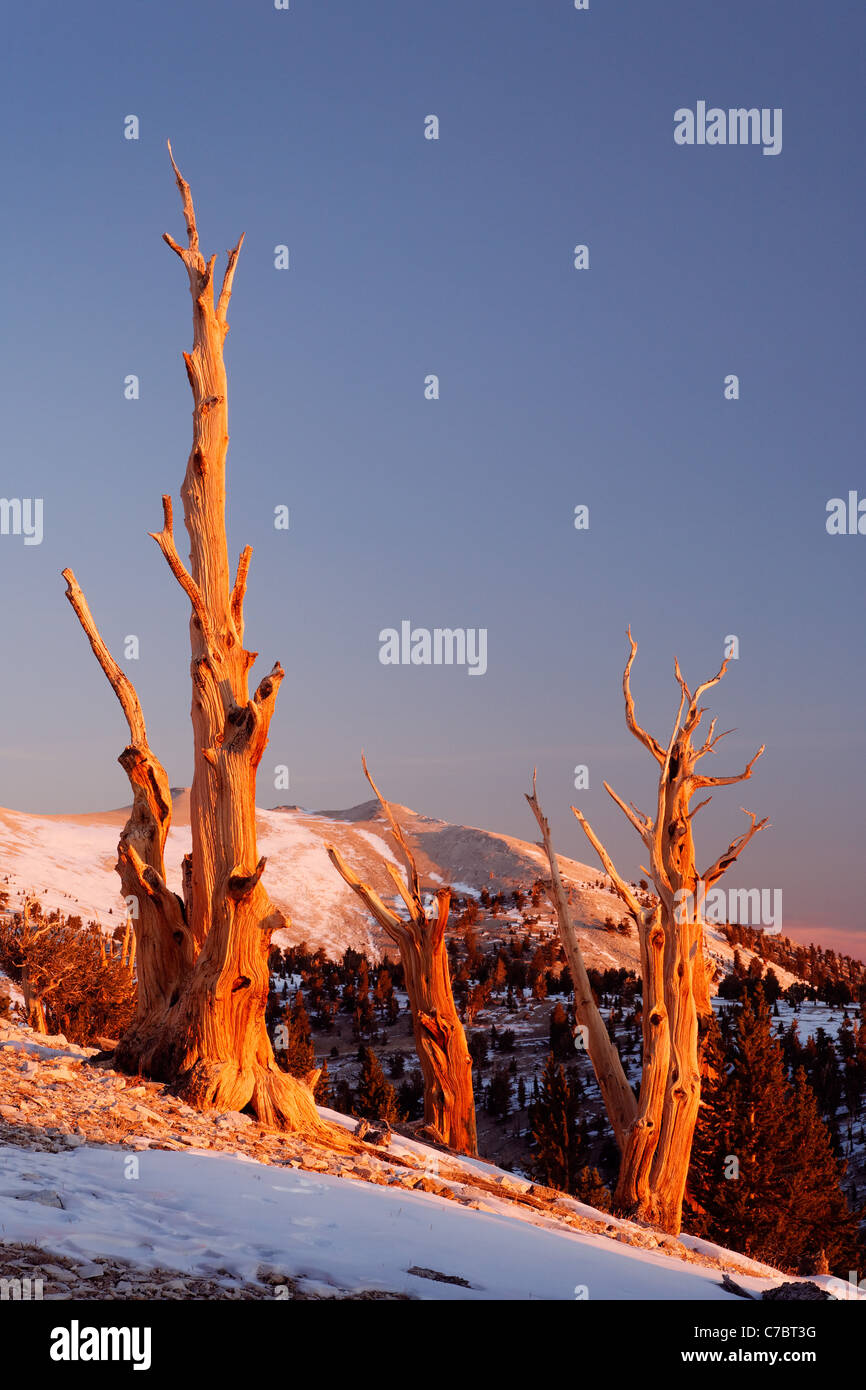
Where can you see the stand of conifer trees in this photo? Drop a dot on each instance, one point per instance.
(764, 1179)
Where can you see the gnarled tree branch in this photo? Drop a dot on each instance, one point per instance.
(646, 739)
(119, 681)
(165, 541)
(735, 848)
(730, 781)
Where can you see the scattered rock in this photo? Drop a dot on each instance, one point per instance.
(511, 1184)
(272, 1274)
(374, 1132)
(439, 1278)
(45, 1196)
(233, 1120)
(802, 1290)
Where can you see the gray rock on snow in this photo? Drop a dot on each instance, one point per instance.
(45, 1196)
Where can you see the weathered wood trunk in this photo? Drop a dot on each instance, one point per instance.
(676, 993)
(633, 1192)
(203, 957)
(440, 1040)
(682, 1092)
(612, 1081)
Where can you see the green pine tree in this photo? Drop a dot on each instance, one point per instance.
(822, 1220)
(553, 1121)
(322, 1093)
(375, 1097)
(497, 1100)
(296, 1056)
(589, 1187)
(561, 1040)
(706, 1169)
(763, 1178)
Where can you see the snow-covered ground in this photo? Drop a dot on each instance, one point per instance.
(199, 1213)
(90, 1173)
(809, 1017)
(357, 1226)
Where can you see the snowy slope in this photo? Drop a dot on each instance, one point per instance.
(214, 1196)
(200, 1213)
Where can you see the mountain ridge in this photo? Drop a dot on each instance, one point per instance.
(67, 861)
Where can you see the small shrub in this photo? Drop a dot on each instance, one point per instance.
(82, 987)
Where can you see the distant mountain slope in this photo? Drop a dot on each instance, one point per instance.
(68, 862)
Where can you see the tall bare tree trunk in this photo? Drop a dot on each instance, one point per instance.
(440, 1041)
(203, 957)
(612, 1081)
(658, 1146)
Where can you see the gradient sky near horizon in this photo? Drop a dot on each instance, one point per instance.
(558, 387)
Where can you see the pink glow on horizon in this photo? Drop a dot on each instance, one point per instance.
(847, 941)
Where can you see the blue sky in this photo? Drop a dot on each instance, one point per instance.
(557, 387)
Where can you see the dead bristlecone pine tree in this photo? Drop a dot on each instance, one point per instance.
(440, 1041)
(657, 1142)
(591, 1035)
(202, 955)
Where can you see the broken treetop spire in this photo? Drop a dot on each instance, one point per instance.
(203, 957)
(203, 489)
